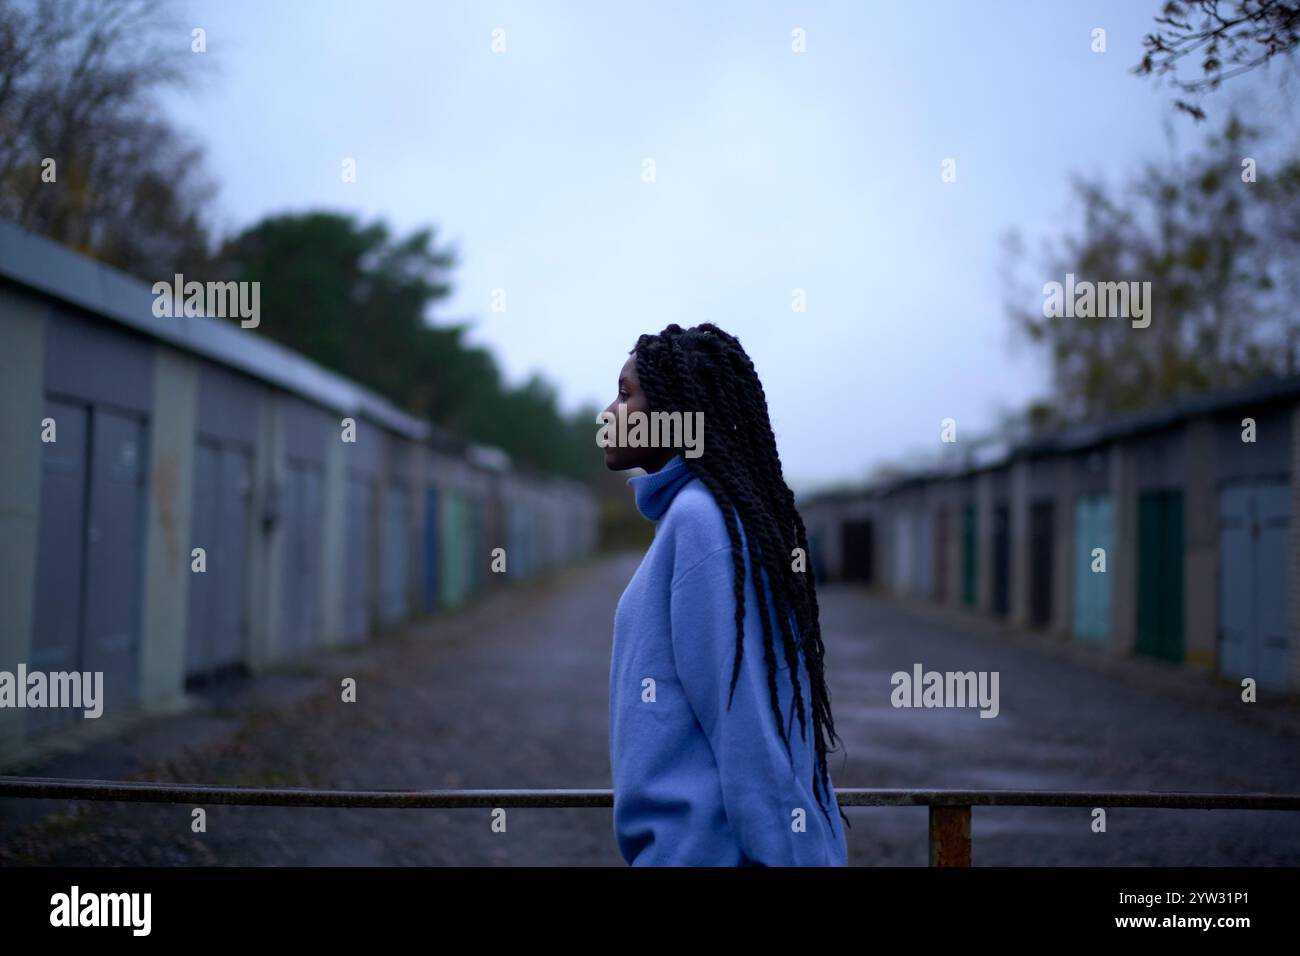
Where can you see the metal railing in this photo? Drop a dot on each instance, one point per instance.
(950, 810)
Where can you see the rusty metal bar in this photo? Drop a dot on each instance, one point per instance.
(949, 836)
(950, 810)
(1151, 799)
(114, 791)
(56, 788)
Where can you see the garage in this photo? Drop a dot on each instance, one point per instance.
(1041, 545)
(303, 519)
(857, 548)
(91, 544)
(1094, 528)
(922, 583)
(1254, 527)
(221, 523)
(1160, 575)
(395, 564)
(969, 557)
(430, 549)
(218, 614)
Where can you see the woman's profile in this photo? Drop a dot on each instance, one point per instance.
(720, 718)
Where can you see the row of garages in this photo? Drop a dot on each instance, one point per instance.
(323, 514)
(1166, 534)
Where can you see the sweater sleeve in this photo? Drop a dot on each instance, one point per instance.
(759, 791)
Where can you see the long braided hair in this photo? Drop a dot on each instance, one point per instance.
(704, 369)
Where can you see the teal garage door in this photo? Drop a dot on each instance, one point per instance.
(1094, 527)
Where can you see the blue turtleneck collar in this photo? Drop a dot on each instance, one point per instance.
(655, 490)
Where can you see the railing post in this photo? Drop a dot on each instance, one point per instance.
(950, 836)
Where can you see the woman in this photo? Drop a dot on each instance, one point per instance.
(708, 764)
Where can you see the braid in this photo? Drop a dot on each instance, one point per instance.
(705, 369)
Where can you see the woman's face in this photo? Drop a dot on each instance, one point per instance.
(621, 458)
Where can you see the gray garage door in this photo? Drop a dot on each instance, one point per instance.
(357, 610)
(91, 552)
(300, 617)
(217, 612)
(395, 565)
(1253, 523)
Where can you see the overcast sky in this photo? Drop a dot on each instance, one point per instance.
(775, 171)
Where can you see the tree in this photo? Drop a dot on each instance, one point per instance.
(1230, 36)
(77, 85)
(78, 80)
(1220, 254)
(358, 300)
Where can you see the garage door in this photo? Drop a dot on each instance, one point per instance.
(90, 552)
(1160, 575)
(1253, 561)
(217, 617)
(1093, 528)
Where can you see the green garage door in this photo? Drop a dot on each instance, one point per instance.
(1160, 575)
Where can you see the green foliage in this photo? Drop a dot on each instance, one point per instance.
(1221, 256)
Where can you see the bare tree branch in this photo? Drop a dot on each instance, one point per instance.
(1252, 34)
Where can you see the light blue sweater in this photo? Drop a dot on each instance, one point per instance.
(696, 783)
